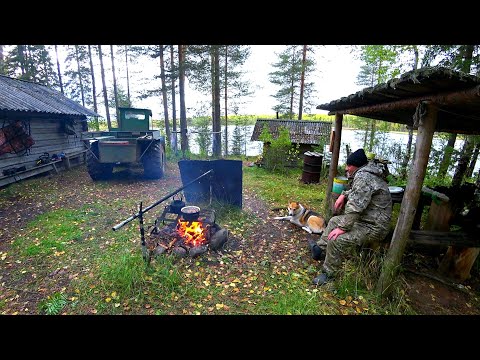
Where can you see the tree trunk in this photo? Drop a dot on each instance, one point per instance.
(58, 68)
(128, 77)
(183, 110)
(115, 92)
(105, 97)
(365, 134)
(447, 155)
(21, 58)
(302, 82)
(391, 263)
(164, 95)
(94, 92)
(174, 110)
(473, 160)
(468, 144)
(79, 72)
(212, 85)
(2, 62)
(463, 162)
(373, 129)
(217, 136)
(406, 158)
(225, 99)
(292, 85)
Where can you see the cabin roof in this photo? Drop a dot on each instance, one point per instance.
(301, 131)
(26, 96)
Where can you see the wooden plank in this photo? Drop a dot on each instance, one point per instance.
(444, 238)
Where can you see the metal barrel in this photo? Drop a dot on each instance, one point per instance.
(312, 166)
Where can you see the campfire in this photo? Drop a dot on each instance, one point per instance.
(186, 237)
(193, 232)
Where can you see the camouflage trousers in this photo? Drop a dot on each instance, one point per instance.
(346, 245)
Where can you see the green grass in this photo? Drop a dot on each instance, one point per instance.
(51, 232)
(107, 274)
(277, 189)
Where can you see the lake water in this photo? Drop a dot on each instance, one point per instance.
(352, 138)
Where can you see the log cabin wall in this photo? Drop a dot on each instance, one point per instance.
(49, 136)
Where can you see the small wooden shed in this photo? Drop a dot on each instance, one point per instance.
(36, 124)
(305, 133)
(431, 99)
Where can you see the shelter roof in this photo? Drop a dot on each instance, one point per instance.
(456, 94)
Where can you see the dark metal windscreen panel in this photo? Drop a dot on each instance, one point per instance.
(226, 180)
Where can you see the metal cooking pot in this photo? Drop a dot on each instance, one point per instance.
(176, 205)
(190, 213)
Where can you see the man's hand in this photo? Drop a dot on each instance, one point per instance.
(339, 203)
(335, 232)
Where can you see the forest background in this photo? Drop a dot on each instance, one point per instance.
(90, 75)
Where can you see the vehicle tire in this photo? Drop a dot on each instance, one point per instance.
(96, 169)
(154, 161)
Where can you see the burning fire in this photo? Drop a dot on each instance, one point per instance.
(192, 231)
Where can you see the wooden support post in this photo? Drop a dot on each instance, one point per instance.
(333, 164)
(409, 204)
(67, 162)
(439, 216)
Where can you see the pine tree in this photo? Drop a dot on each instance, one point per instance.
(78, 84)
(238, 140)
(377, 68)
(31, 63)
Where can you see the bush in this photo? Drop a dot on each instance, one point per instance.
(279, 154)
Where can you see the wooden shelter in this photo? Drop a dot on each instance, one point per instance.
(432, 99)
(305, 133)
(36, 123)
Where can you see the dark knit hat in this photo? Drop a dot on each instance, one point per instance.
(357, 158)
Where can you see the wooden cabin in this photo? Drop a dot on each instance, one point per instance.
(308, 134)
(432, 99)
(40, 130)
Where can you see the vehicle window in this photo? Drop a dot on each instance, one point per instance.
(134, 115)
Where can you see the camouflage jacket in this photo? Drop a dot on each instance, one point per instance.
(368, 201)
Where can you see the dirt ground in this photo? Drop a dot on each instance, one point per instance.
(427, 293)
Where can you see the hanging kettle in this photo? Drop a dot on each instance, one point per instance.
(176, 205)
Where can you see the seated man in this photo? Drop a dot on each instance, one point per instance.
(366, 219)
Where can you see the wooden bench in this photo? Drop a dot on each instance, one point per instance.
(76, 157)
(444, 238)
(21, 175)
(462, 250)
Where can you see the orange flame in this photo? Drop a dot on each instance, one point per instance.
(192, 231)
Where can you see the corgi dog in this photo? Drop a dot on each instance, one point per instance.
(308, 220)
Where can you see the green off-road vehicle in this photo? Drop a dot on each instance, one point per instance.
(132, 143)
